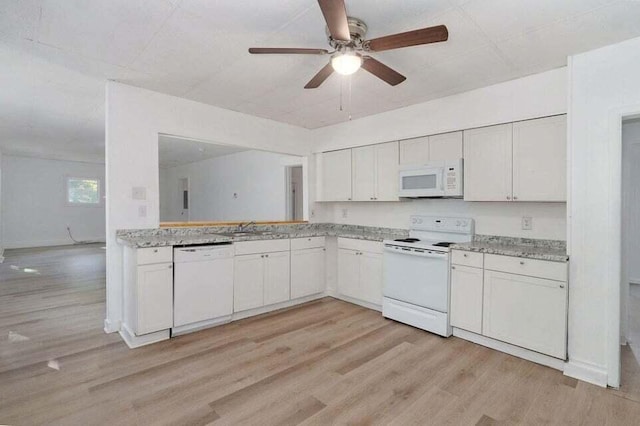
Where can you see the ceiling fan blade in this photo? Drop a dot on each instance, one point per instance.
(382, 71)
(320, 77)
(410, 38)
(287, 50)
(335, 13)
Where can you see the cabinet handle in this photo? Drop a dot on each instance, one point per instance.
(522, 262)
(515, 198)
(561, 285)
(170, 266)
(266, 255)
(349, 199)
(465, 255)
(453, 267)
(508, 197)
(155, 250)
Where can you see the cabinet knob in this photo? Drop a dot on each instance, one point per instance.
(465, 255)
(561, 285)
(453, 267)
(170, 266)
(508, 197)
(349, 199)
(155, 250)
(266, 255)
(515, 198)
(522, 262)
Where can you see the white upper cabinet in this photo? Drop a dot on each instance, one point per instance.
(386, 172)
(414, 151)
(487, 163)
(375, 172)
(442, 147)
(445, 147)
(335, 175)
(364, 173)
(540, 159)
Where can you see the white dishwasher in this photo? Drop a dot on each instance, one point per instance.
(202, 286)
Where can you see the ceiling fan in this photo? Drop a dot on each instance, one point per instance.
(346, 37)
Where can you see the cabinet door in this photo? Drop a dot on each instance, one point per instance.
(349, 272)
(445, 147)
(386, 172)
(370, 286)
(526, 311)
(155, 298)
(277, 277)
(336, 175)
(248, 282)
(540, 159)
(466, 298)
(307, 272)
(487, 163)
(414, 152)
(364, 173)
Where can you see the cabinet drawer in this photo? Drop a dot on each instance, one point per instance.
(261, 246)
(150, 255)
(467, 258)
(306, 243)
(360, 245)
(531, 267)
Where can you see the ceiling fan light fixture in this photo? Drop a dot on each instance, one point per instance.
(346, 63)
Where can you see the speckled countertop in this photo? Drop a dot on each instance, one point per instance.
(552, 250)
(208, 235)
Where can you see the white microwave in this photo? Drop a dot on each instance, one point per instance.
(435, 179)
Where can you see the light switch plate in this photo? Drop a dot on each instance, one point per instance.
(527, 223)
(139, 193)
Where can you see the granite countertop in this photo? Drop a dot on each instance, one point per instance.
(179, 237)
(551, 250)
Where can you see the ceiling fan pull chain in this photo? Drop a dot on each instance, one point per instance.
(341, 84)
(349, 111)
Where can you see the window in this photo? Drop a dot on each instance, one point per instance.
(83, 191)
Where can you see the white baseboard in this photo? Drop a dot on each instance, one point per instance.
(362, 303)
(532, 356)
(586, 372)
(111, 326)
(197, 326)
(49, 243)
(134, 341)
(264, 309)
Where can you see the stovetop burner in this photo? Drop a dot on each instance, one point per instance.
(407, 240)
(442, 244)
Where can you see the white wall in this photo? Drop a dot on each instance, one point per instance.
(34, 211)
(534, 96)
(134, 118)
(257, 177)
(604, 87)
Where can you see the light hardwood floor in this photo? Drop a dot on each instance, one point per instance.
(326, 362)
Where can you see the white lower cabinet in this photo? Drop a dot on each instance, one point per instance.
(519, 301)
(148, 286)
(261, 274)
(307, 272)
(360, 270)
(466, 298)
(526, 311)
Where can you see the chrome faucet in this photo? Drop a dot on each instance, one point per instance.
(244, 226)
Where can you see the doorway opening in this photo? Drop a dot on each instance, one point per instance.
(295, 193)
(630, 250)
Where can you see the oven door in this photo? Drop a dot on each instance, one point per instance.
(424, 182)
(419, 277)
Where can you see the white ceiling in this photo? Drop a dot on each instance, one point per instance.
(175, 151)
(56, 54)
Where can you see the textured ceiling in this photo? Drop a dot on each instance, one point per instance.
(56, 55)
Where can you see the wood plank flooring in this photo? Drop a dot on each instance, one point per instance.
(326, 362)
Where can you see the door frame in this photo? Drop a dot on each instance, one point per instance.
(188, 179)
(289, 202)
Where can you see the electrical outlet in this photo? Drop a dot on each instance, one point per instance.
(313, 213)
(345, 213)
(527, 223)
(142, 211)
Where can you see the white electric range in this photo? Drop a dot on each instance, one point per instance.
(416, 272)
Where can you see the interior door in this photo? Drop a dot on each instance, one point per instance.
(526, 311)
(248, 282)
(540, 159)
(488, 163)
(371, 277)
(386, 172)
(277, 277)
(364, 176)
(349, 273)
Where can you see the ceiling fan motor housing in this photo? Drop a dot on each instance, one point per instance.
(357, 29)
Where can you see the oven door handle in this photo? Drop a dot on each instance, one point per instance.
(414, 252)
